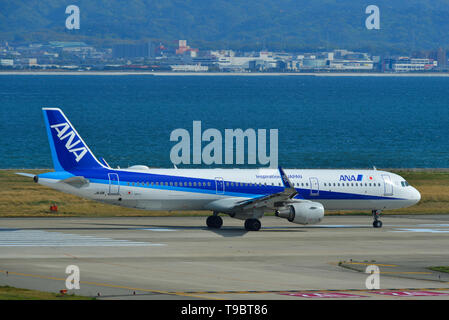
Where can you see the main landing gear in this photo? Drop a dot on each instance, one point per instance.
(252, 225)
(377, 223)
(215, 221)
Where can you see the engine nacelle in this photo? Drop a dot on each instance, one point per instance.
(302, 212)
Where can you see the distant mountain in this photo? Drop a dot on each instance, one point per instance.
(406, 25)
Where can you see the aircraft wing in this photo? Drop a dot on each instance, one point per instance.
(270, 201)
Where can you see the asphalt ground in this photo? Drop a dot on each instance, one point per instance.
(180, 258)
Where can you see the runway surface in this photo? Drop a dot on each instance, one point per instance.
(179, 258)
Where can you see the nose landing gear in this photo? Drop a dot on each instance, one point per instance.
(377, 223)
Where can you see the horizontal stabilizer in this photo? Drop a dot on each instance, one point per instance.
(25, 174)
(77, 182)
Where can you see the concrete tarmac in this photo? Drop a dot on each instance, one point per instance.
(179, 258)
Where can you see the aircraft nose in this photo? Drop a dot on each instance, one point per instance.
(416, 196)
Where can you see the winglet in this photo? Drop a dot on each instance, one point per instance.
(285, 180)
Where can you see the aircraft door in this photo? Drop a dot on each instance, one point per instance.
(219, 185)
(314, 187)
(114, 184)
(388, 185)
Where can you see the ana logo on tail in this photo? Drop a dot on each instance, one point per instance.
(61, 129)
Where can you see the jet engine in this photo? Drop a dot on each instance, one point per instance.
(302, 212)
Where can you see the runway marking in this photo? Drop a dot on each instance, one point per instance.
(38, 238)
(411, 293)
(426, 230)
(286, 292)
(434, 225)
(193, 295)
(373, 263)
(154, 229)
(406, 272)
(337, 226)
(323, 295)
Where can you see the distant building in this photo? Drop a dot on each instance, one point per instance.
(183, 48)
(309, 63)
(227, 61)
(189, 68)
(6, 62)
(27, 62)
(344, 64)
(140, 50)
(405, 64)
(441, 58)
(348, 60)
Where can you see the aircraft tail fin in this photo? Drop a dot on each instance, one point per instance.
(68, 150)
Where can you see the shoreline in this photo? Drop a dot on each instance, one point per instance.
(255, 74)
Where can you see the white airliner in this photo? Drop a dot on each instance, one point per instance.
(298, 195)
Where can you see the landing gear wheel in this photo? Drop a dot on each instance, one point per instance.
(252, 225)
(377, 224)
(214, 222)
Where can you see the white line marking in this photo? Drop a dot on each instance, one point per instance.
(153, 229)
(433, 225)
(423, 230)
(37, 238)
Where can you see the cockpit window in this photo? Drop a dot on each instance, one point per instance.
(404, 183)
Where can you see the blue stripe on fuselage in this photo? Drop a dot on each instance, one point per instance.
(100, 175)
